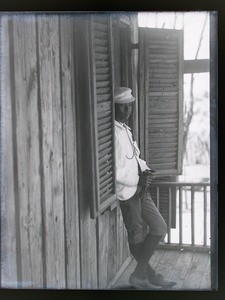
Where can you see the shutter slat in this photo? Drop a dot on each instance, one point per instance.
(104, 171)
(101, 19)
(102, 70)
(158, 126)
(103, 98)
(104, 133)
(105, 183)
(164, 129)
(158, 55)
(164, 161)
(105, 139)
(163, 89)
(163, 94)
(159, 66)
(160, 50)
(161, 47)
(104, 127)
(157, 81)
(100, 35)
(101, 64)
(101, 49)
(102, 77)
(104, 120)
(159, 87)
(155, 142)
(160, 60)
(162, 135)
(164, 116)
(102, 84)
(103, 107)
(101, 90)
(105, 165)
(100, 42)
(156, 105)
(161, 80)
(104, 146)
(163, 166)
(106, 176)
(165, 38)
(105, 152)
(164, 111)
(106, 188)
(103, 113)
(163, 154)
(104, 159)
(162, 121)
(163, 43)
(153, 75)
(106, 194)
(100, 27)
(101, 57)
(165, 144)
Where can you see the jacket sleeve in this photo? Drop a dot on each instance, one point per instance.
(143, 165)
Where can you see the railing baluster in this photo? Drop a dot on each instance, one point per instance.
(169, 219)
(181, 185)
(205, 215)
(192, 216)
(157, 197)
(180, 215)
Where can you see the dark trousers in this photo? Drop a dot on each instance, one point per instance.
(135, 210)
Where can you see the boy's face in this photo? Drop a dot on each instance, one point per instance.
(123, 111)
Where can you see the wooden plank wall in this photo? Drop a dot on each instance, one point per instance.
(27, 143)
(40, 245)
(72, 237)
(48, 238)
(8, 213)
(113, 247)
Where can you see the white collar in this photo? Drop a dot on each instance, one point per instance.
(121, 125)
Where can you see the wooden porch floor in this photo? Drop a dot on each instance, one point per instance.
(191, 270)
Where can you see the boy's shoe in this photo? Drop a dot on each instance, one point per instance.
(159, 280)
(142, 283)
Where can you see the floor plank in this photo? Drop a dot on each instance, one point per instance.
(180, 269)
(191, 270)
(196, 271)
(206, 279)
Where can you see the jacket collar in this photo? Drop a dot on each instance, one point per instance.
(121, 125)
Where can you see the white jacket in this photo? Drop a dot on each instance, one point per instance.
(127, 159)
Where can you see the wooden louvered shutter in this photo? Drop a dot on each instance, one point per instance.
(102, 90)
(161, 98)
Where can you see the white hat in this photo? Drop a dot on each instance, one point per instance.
(123, 95)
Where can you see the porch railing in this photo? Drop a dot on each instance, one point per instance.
(185, 196)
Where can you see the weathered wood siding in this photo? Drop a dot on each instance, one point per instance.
(40, 224)
(8, 212)
(72, 237)
(47, 236)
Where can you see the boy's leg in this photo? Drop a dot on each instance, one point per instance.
(148, 247)
(157, 231)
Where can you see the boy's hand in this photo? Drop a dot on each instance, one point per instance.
(146, 178)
